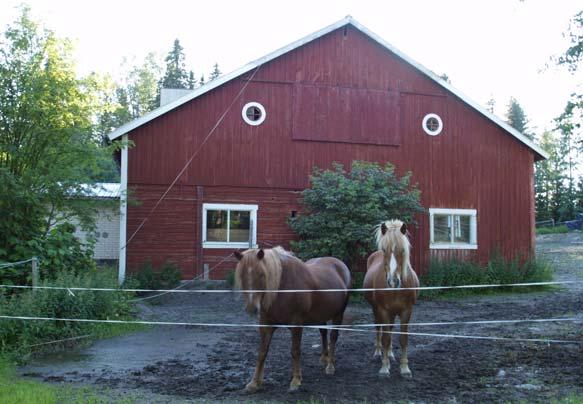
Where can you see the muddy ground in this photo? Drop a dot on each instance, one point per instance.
(180, 364)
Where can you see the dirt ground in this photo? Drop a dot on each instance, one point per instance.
(184, 364)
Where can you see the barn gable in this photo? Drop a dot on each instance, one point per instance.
(344, 23)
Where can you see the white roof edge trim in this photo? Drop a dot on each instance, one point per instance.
(345, 21)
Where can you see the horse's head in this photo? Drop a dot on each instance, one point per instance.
(391, 237)
(256, 271)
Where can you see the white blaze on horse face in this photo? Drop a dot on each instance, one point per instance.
(392, 279)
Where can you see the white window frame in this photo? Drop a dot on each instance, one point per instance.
(246, 118)
(439, 121)
(472, 245)
(228, 207)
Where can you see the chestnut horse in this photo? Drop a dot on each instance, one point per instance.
(276, 269)
(389, 267)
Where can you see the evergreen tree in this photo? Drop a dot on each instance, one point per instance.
(547, 179)
(574, 54)
(491, 104)
(201, 81)
(176, 75)
(516, 118)
(215, 73)
(191, 80)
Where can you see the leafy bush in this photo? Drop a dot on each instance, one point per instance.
(497, 271)
(18, 335)
(165, 277)
(341, 209)
(552, 230)
(230, 278)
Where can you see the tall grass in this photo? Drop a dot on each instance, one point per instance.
(18, 336)
(552, 230)
(496, 271)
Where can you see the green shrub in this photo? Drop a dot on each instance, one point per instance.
(497, 271)
(230, 278)
(165, 277)
(357, 281)
(16, 336)
(552, 230)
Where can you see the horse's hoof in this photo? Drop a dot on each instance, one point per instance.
(330, 370)
(392, 356)
(384, 372)
(293, 388)
(406, 373)
(377, 353)
(252, 387)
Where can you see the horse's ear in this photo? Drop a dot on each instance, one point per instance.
(404, 228)
(383, 228)
(238, 255)
(260, 254)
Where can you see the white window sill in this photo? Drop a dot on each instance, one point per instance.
(453, 246)
(226, 245)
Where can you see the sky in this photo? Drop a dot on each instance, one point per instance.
(489, 49)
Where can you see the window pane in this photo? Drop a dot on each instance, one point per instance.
(240, 221)
(442, 228)
(216, 225)
(462, 229)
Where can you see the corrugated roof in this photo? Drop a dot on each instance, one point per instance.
(101, 190)
(348, 20)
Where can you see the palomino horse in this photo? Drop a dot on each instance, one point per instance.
(390, 267)
(276, 269)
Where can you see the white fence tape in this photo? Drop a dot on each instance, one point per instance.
(329, 327)
(477, 286)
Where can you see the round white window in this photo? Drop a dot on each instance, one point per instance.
(253, 113)
(432, 124)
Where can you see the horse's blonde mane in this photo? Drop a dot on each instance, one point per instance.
(395, 240)
(271, 266)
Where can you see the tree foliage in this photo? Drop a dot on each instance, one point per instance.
(573, 56)
(176, 75)
(516, 117)
(48, 141)
(341, 209)
(215, 73)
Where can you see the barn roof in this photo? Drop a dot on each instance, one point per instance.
(348, 20)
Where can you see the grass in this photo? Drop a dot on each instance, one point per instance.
(496, 271)
(14, 390)
(552, 230)
(570, 399)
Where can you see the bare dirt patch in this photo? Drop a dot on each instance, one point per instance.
(171, 364)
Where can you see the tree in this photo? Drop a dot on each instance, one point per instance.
(491, 104)
(574, 54)
(48, 143)
(547, 178)
(341, 209)
(516, 118)
(176, 75)
(215, 73)
(201, 80)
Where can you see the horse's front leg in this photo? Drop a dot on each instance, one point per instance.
(377, 345)
(296, 352)
(404, 339)
(265, 334)
(387, 344)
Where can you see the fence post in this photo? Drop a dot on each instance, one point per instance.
(250, 234)
(35, 278)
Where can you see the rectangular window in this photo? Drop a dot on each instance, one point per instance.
(453, 228)
(229, 226)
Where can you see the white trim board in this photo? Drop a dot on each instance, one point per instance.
(348, 20)
(227, 206)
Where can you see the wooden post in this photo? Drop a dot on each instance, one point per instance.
(35, 278)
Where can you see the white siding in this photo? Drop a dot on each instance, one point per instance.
(106, 233)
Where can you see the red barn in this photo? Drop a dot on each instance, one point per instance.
(338, 95)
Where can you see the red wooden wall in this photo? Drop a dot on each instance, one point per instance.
(472, 164)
